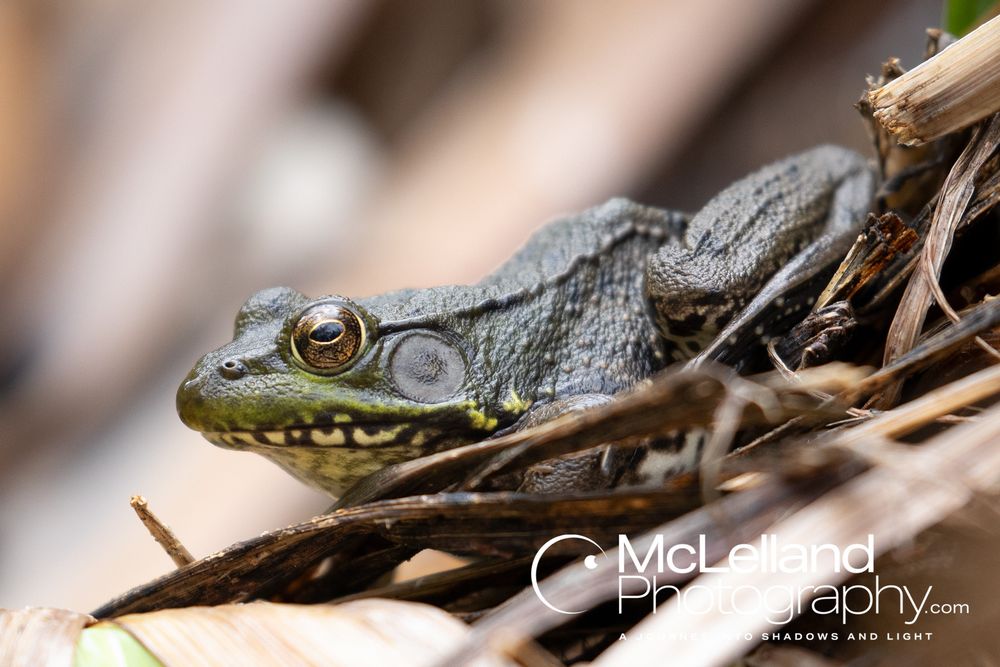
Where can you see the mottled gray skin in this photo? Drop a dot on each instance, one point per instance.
(566, 315)
(593, 304)
(809, 205)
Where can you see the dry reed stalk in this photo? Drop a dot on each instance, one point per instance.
(956, 194)
(954, 89)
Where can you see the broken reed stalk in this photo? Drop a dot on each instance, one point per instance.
(161, 532)
(951, 91)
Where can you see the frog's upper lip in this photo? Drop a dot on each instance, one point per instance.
(348, 436)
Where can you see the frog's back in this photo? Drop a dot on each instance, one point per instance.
(618, 229)
(618, 232)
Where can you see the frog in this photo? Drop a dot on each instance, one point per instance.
(333, 389)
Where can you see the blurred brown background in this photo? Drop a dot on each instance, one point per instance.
(160, 161)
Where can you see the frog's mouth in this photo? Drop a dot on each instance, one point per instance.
(331, 458)
(369, 436)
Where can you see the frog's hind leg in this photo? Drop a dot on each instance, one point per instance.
(784, 301)
(754, 255)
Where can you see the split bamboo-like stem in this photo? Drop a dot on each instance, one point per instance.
(954, 89)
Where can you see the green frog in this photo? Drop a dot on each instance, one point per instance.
(334, 388)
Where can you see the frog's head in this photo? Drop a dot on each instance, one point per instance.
(330, 393)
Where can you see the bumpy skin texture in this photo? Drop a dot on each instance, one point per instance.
(575, 312)
(808, 205)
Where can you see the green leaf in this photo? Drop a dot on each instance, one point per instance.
(107, 645)
(960, 16)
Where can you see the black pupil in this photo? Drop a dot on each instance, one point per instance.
(326, 331)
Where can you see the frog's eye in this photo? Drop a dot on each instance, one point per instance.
(326, 337)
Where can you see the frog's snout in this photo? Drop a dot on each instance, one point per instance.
(189, 399)
(206, 380)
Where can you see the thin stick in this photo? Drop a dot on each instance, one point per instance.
(161, 533)
(931, 406)
(946, 93)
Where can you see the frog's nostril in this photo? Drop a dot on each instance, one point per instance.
(232, 369)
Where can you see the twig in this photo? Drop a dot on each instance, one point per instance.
(929, 407)
(978, 319)
(885, 242)
(946, 307)
(161, 533)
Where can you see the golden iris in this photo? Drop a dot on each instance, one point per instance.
(326, 337)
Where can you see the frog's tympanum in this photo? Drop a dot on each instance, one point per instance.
(335, 388)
